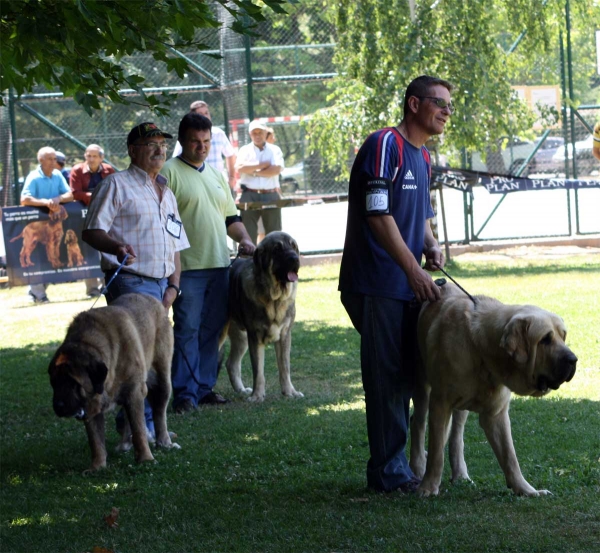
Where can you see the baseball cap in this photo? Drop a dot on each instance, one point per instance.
(257, 125)
(60, 157)
(144, 130)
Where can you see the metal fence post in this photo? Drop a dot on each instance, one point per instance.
(13, 140)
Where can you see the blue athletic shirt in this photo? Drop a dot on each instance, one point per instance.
(378, 186)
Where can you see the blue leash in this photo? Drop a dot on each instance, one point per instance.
(105, 288)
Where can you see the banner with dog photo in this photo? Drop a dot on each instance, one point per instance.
(45, 247)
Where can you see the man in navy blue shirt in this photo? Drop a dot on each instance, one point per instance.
(381, 276)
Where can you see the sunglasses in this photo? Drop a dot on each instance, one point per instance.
(440, 103)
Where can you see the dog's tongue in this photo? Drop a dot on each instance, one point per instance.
(292, 277)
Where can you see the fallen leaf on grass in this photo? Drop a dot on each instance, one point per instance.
(111, 520)
(101, 550)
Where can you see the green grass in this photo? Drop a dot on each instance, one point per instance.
(289, 475)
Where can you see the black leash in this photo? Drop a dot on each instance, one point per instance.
(105, 289)
(457, 284)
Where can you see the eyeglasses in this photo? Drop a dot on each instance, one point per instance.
(440, 103)
(154, 145)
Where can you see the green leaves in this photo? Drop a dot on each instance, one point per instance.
(76, 45)
(381, 48)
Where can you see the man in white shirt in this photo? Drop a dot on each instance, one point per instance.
(220, 147)
(259, 166)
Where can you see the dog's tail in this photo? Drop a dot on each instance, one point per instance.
(17, 237)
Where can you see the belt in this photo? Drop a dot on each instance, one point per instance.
(262, 190)
(111, 272)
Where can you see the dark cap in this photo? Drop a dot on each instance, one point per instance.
(144, 130)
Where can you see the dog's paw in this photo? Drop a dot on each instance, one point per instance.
(243, 391)
(145, 458)
(292, 393)
(93, 469)
(532, 492)
(427, 490)
(256, 398)
(124, 447)
(168, 445)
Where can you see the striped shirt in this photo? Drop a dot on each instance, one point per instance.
(125, 205)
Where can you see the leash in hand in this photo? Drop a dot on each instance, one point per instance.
(105, 288)
(457, 284)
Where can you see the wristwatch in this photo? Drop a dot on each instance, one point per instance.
(175, 287)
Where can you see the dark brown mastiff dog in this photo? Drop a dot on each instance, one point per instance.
(262, 309)
(475, 354)
(116, 355)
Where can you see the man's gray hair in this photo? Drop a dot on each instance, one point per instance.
(198, 104)
(45, 150)
(95, 147)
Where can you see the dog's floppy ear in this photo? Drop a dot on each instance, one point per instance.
(261, 258)
(97, 372)
(58, 359)
(514, 339)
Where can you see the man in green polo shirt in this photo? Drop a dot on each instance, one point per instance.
(209, 215)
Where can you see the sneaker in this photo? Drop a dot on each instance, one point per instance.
(35, 300)
(184, 406)
(94, 294)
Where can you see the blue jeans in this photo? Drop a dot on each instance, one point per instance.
(388, 356)
(127, 283)
(199, 314)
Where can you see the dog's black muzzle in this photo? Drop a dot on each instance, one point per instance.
(287, 265)
(565, 371)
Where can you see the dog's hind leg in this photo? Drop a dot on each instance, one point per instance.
(418, 422)
(282, 351)
(238, 345)
(135, 413)
(456, 446)
(95, 432)
(439, 418)
(125, 444)
(158, 396)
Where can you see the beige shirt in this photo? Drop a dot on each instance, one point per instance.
(125, 205)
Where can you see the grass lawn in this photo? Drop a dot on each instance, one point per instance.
(289, 475)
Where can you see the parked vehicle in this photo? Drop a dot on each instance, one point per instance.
(292, 178)
(584, 159)
(510, 159)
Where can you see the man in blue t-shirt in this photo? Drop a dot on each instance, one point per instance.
(387, 234)
(45, 187)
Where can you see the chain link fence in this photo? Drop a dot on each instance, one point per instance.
(280, 76)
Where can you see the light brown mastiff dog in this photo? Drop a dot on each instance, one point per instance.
(474, 355)
(116, 355)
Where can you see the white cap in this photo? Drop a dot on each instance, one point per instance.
(257, 125)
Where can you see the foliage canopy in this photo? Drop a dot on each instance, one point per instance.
(77, 45)
(382, 46)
